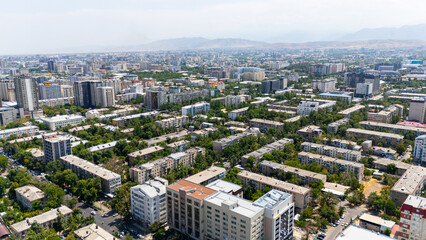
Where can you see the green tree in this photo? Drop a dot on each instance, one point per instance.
(121, 201)
(3, 162)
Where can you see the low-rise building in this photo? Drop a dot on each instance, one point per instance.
(301, 195)
(178, 146)
(334, 126)
(159, 167)
(386, 115)
(354, 232)
(46, 219)
(389, 138)
(269, 168)
(410, 183)
(267, 149)
(382, 165)
(207, 176)
(345, 154)
(37, 154)
(375, 223)
(121, 121)
(144, 153)
(396, 128)
(27, 195)
(175, 122)
(333, 164)
(175, 135)
(93, 232)
(237, 113)
(148, 202)
(27, 130)
(349, 111)
(264, 124)
(310, 132)
(202, 133)
(220, 144)
(84, 169)
(58, 121)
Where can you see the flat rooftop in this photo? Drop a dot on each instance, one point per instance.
(93, 232)
(289, 187)
(194, 190)
(294, 170)
(374, 133)
(224, 186)
(330, 159)
(393, 126)
(265, 121)
(239, 205)
(90, 167)
(351, 109)
(376, 220)
(205, 175)
(387, 161)
(163, 138)
(410, 180)
(146, 151)
(354, 232)
(416, 202)
(272, 199)
(30, 193)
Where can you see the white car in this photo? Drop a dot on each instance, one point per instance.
(115, 215)
(93, 212)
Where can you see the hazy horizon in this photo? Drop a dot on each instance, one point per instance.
(49, 26)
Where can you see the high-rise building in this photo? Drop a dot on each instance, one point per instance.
(51, 66)
(324, 86)
(67, 91)
(105, 97)
(364, 89)
(85, 93)
(49, 91)
(55, 147)
(278, 216)
(148, 201)
(155, 98)
(235, 100)
(185, 203)
(412, 224)
(26, 94)
(417, 110)
(419, 153)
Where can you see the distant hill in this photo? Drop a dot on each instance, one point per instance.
(415, 32)
(373, 44)
(198, 43)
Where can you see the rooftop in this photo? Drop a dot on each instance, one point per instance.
(393, 126)
(145, 151)
(41, 218)
(151, 188)
(236, 204)
(265, 121)
(410, 180)
(298, 171)
(30, 193)
(205, 175)
(351, 109)
(330, 159)
(224, 186)
(193, 190)
(354, 232)
(272, 199)
(35, 152)
(416, 202)
(375, 133)
(59, 118)
(377, 220)
(178, 143)
(309, 128)
(93, 232)
(90, 167)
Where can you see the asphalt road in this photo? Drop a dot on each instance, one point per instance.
(351, 212)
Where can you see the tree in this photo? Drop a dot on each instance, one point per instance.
(391, 168)
(387, 232)
(3, 162)
(121, 201)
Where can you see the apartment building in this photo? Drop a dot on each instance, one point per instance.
(60, 121)
(410, 183)
(230, 217)
(237, 113)
(27, 195)
(278, 216)
(324, 86)
(235, 100)
(110, 181)
(306, 107)
(412, 224)
(331, 164)
(178, 146)
(144, 153)
(396, 128)
(345, 154)
(310, 132)
(28, 130)
(417, 109)
(207, 176)
(334, 126)
(46, 220)
(342, 143)
(268, 168)
(36, 153)
(389, 138)
(375, 223)
(121, 121)
(220, 144)
(386, 115)
(268, 148)
(159, 167)
(301, 195)
(55, 147)
(175, 122)
(349, 111)
(264, 124)
(196, 108)
(419, 153)
(148, 202)
(381, 164)
(174, 135)
(185, 208)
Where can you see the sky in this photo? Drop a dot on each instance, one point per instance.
(43, 26)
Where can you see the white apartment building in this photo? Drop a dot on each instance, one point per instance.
(230, 217)
(195, 108)
(59, 121)
(28, 130)
(278, 215)
(306, 107)
(419, 153)
(176, 122)
(324, 86)
(236, 100)
(148, 201)
(417, 110)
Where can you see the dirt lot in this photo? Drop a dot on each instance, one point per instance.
(372, 185)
